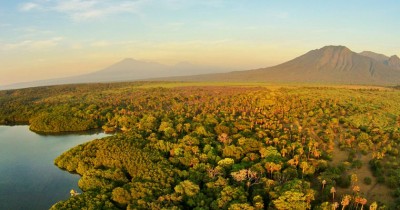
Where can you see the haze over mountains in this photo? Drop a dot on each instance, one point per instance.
(127, 70)
(131, 69)
(330, 64)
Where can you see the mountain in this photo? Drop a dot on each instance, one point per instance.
(330, 64)
(130, 69)
(393, 61)
(376, 56)
(127, 70)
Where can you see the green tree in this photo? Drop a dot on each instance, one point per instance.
(291, 200)
(187, 188)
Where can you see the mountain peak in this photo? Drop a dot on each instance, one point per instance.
(394, 62)
(328, 57)
(338, 47)
(329, 64)
(335, 48)
(375, 56)
(132, 60)
(394, 57)
(128, 60)
(334, 52)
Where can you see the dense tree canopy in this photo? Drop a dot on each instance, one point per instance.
(184, 146)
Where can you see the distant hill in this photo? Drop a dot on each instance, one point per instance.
(330, 64)
(127, 70)
(393, 61)
(376, 56)
(130, 69)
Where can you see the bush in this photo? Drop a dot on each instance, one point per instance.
(352, 155)
(356, 164)
(367, 180)
(380, 179)
(344, 181)
(392, 182)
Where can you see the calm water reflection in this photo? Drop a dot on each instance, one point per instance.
(28, 177)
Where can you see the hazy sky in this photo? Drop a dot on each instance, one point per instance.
(42, 39)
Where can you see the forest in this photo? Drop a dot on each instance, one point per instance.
(222, 146)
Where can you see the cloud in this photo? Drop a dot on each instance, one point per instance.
(101, 44)
(34, 44)
(28, 6)
(32, 32)
(83, 10)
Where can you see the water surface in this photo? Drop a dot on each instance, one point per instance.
(28, 177)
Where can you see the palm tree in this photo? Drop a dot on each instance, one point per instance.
(316, 153)
(309, 197)
(373, 206)
(304, 166)
(335, 205)
(356, 189)
(363, 201)
(333, 191)
(354, 179)
(345, 201)
(357, 200)
(284, 152)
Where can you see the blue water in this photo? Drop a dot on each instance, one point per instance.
(28, 177)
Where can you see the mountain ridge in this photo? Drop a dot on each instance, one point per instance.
(375, 56)
(329, 64)
(127, 69)
(392, 61)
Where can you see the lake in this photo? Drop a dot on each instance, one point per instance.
(28, 177)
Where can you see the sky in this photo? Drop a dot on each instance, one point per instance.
(42, 39)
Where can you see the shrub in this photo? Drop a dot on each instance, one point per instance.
(356, 164)
(344, 181)
(380, 179)
(367, 180)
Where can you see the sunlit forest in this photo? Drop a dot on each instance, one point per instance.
(221, 146)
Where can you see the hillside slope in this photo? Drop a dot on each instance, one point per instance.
(330, 64)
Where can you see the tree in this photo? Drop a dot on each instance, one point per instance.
(291, 200)
(294, 194)
(224, 138)
(241, 206)
(323, 183)
(354, 179)
(272, 167)
(373, 206)
(226, 162)
(230, 194)
(233, 152)
(258, 202)
(148, 123)
(121, 196)
(345, 201)
(333, 191)
(269, 152)
(187, 188)
(306, 168)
